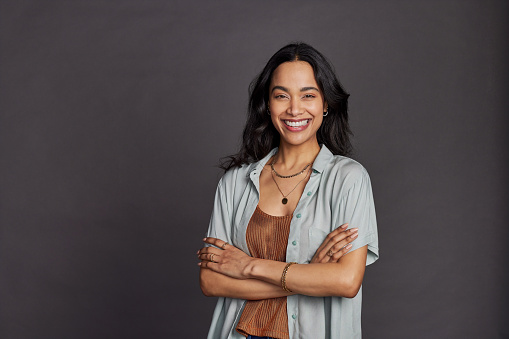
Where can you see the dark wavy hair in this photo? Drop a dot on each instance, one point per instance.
(260, 136)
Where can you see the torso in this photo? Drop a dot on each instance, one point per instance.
(332, 179)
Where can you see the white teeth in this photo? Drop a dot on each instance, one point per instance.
(296, 123)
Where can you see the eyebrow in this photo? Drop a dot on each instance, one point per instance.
(303, 89)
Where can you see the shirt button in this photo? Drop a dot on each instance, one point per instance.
(294, 316)
(298, 215)
(294, 243)
(309, 193)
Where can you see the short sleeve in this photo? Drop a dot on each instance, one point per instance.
(220, 225)
(357, 208)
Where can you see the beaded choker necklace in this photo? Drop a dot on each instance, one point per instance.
(286, 176)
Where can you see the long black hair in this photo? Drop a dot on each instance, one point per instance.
(260, 136)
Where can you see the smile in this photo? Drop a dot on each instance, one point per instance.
(296, 123)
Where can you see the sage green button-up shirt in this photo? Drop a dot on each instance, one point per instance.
(338, 192)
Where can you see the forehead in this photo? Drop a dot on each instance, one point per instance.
(293, 73)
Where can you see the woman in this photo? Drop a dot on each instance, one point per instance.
(293, 224)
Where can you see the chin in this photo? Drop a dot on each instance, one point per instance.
(299, 141)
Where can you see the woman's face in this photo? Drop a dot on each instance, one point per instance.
(296, 104)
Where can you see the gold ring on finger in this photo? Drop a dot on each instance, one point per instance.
(330, 253)
(212, 257)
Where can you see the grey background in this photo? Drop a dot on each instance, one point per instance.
(114, 114)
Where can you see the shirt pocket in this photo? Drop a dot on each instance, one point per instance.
(316, 238)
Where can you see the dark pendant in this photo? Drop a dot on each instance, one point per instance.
(284, 201)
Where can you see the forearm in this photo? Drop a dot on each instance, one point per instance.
(237, 275)
(342, 279)
(215, 284)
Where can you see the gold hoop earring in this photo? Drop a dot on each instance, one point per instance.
(326, 112)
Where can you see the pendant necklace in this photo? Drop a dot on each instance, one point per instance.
(284, 201)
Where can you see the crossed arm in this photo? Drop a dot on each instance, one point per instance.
(227, 271)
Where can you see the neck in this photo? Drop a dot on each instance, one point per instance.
(290, 156)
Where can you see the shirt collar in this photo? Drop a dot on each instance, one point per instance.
(257, 167)
(322, 159)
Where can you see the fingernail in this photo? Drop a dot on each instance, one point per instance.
(204, 239)
(354, 230)
(347, 247)
(198, 252)
(353, 236)
(344, 226)
(199, 264)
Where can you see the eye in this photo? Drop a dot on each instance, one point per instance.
(309, 96)
(280, 96)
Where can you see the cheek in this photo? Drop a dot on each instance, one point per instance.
(319, 119)
(320, 122)
(277, 106)
(318, 112)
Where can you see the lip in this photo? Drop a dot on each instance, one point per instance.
(296, 128)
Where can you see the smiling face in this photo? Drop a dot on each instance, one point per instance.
(296, 103)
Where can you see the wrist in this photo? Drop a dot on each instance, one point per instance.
(252, 269)
(265, 270)
(283, 277)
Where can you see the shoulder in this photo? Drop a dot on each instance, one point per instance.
(236, 175)
(345, 165)
(346, 171)
(242, 175)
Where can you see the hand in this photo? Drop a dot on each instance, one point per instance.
(335, 245)
(225, 259)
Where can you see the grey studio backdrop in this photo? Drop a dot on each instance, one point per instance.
(115, 113)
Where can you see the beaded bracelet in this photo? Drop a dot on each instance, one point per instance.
(283, 277)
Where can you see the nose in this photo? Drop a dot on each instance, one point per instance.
(295, 108)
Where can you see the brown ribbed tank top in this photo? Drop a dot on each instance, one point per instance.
(267, 238)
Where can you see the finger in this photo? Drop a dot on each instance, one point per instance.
(340, 244)
(209, 249)
(336, 256)
(332, 238)
(209, 257)
(324, 254)
(342, 227)
(337, 238)
(209, 264)
(326, 257)
(337, 243)
(336, 235)
(326, 244)
(216, 242)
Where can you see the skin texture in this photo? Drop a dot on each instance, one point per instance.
(294, 96)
